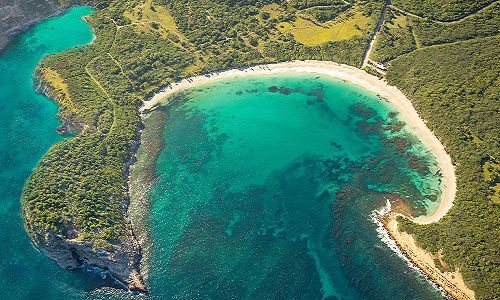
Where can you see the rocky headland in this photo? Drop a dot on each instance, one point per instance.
(121, 260)
(67, 245)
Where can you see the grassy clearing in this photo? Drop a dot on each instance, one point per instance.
(324, 14)
(60, 89)
(349, 24)
(55, 80)
(399, 21)
(495, 198)
(148, 16)
(273, 10)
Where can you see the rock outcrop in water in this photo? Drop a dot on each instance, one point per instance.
(17, 15)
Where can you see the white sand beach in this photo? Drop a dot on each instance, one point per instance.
(357, 77)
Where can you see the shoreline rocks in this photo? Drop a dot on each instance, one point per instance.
(121, 261)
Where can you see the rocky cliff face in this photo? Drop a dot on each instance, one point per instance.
(122, 260)
(17, 15)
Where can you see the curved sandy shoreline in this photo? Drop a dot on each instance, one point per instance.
(358, 77)
(452, 282)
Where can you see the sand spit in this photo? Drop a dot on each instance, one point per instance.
(450, 281)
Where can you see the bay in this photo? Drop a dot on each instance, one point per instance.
(265, 188)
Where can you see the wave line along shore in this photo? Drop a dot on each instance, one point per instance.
(453, 280)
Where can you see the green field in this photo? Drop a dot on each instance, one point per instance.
(348, 24)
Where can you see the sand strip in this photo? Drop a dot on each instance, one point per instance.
(450, 280)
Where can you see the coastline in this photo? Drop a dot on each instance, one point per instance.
(122, 262)
(10, 34)
(405, 242)
(141, 180)
(355, 76)
(450, 281)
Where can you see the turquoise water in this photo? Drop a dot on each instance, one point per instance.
(27, 129)
(265, 190)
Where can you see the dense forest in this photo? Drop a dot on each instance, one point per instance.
(449, 70)
(481, 24)
(448, 10)
(458, 98)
